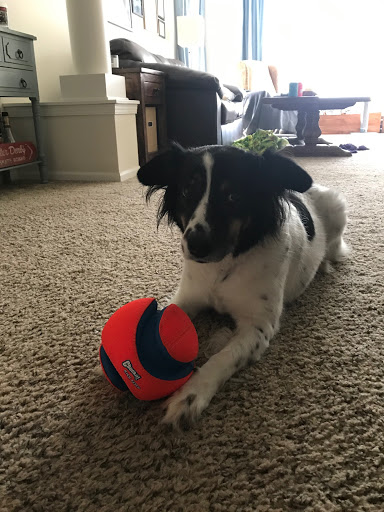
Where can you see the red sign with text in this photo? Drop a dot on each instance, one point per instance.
(17, 153)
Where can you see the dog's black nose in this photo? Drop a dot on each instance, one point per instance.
(199, 243)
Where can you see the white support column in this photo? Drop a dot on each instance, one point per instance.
(92, 132)
(89, 45)
(91, 55)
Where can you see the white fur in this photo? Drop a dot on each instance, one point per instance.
(199, 216)
(253, 288)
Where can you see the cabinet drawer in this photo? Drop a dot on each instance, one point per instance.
(132, 87)
(17, 51)
(153, 92)
(18, 80)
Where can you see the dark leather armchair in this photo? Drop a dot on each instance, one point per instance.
(200, 110)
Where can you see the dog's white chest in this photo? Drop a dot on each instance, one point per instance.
(231, 285)
(216, 282)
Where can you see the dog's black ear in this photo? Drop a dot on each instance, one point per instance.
(162, 169)
(285, 174)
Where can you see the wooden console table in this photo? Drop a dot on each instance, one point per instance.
(18, 79)
(147, 86)
(308, 141)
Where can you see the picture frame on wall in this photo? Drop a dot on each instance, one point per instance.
(119, 13)
(161, 25)
(138, 7)
(160, 18)
(160, 9)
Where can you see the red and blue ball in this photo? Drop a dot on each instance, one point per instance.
(148, 352)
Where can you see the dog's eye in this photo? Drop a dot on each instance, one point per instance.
(233, 198)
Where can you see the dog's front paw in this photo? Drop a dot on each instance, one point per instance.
(185, 405)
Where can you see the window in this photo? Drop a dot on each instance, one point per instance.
(331, 47)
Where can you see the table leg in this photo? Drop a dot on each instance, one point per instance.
(365, 119)
(312, 130)
(301, 122)
(300, 126)
(6, 177)
(314, 144)
(39, 139)
(315, 129)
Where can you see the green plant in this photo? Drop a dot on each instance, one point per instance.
(260, 141)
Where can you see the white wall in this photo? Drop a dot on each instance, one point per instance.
(147, 37)
(224, 38)
(47, 20)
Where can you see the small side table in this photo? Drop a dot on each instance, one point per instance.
(18, 79)
(147, 86)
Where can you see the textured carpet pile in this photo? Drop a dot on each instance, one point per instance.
(301, 430)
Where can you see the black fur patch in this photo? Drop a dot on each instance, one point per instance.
(305, 216)
(240, 363)
(190, 398)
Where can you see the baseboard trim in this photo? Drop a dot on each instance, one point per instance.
(66, 108)
(61, 175)
(129, 174)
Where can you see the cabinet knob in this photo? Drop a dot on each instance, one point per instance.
(19, 54)
(23, 83)
(155, 91)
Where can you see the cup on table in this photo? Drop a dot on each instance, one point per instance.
(295, 89)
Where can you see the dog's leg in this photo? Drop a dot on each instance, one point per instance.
(191, 295)
(247, 345)
(218, 341)
(189, 302)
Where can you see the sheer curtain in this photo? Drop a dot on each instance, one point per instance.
(224, 21)
(333, 47)
(188, 8)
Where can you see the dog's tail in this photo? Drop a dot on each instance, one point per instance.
(332, 208)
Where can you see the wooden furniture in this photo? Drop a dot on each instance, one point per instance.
(308, 141)
(147, 86)
(18, 79)
(348, 123)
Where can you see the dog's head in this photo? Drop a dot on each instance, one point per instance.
(223, 199)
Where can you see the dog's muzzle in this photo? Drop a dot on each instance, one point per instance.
(199, 243)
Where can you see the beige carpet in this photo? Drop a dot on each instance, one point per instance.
(302, 430)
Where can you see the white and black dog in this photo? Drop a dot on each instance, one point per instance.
(255, 231)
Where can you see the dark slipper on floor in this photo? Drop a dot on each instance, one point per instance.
(349, 147)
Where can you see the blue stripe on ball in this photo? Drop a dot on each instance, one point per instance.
(111, 371)
(152, 354)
